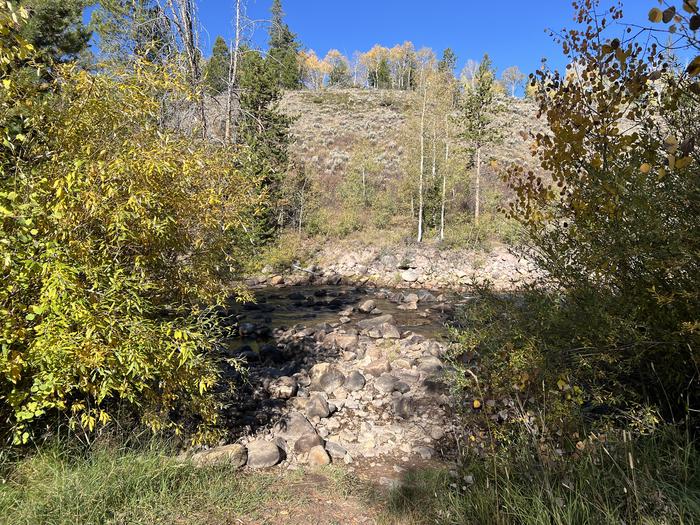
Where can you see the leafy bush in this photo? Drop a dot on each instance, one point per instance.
(113, 231)
(617, 230)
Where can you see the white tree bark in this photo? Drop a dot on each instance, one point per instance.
(422, 164)
(229, 135)
(477, 184)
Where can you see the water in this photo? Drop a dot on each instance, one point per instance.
(313, 305)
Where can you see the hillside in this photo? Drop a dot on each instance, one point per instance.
(330, 122)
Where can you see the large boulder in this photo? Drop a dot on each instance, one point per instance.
(307, 442)
(373, 322)
(326, 377)
(234, 455)
(410, 276)
(355, 381)
(263, 454)
(293, 426)
(318, 456)
(317, 406)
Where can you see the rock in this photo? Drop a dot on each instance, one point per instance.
(263, 454)
(408, 306)
(389, 331)
(385, 383)
(430, 365)
(335, 450)
(277, 280)
(233, 455)
(293, 427)
(283, 388)
(246, 329)
(317, 406)
(318, 456)
(331, 380)
(403, 407)
(411, 298)
(424, 452)
(345, 341)
(367, 306)
(373, 322)
(378, 367)
(355, 381)
(307, 442)
(409, 276)
(271, 353)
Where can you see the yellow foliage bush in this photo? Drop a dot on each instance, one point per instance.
(114, 232)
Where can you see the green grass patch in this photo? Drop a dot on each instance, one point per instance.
(597, 487)
(120, 485)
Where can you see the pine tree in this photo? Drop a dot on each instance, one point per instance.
(129, 29)
(479, 106)
(381, 77)
(448, 62)
(55, 28)
(283, 51)
(216, 70)
(261, 126)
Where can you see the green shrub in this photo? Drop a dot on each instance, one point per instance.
(113, 233)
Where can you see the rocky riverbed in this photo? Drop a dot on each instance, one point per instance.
(338, 375)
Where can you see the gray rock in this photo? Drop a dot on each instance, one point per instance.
(430, 365)
(317, 406)
(410, 276)
(318, 456)
(377, 368)
(389, 331)
(355, 381)
(408, 306)
(367, 306)
(403, 407)
(385, 383)
(307, 442)
(263, 454)
(335, 450)
(373, 322)
(283, 388)
(233, 455)
(331, 380)
(411, 298)
(293, 427)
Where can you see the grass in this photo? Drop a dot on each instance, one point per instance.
(599, 487)
(120, 485)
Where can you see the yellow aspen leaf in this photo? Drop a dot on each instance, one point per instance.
(693, 68)
(645, 168)
(476, 404)
(656, 15)
(683, 162)
(690, 6)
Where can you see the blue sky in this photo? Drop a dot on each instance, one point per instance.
(511, 31)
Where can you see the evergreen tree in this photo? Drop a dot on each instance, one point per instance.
(130, 28)
(55, 28)
(479, 106)
(261, 126)
(340, 74)
(216, 70)
(283, 51)
(448, 62)
(381, 78)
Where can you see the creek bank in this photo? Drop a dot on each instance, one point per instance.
(426, 268)
(354, 384)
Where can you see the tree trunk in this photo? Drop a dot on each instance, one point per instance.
(422, 165)
(477, 185)
(229, 136)
(444, 179)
